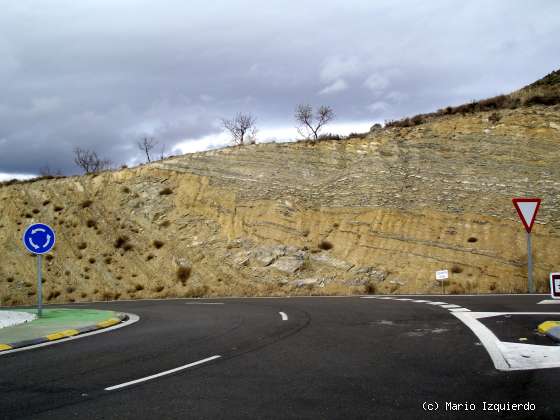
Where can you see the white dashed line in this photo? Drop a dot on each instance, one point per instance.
(548, 302)
(284, 316)
(204, 303)
(158, 375)
(449, 306)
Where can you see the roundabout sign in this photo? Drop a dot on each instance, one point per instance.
(39, 239)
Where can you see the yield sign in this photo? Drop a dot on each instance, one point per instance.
(527, 209)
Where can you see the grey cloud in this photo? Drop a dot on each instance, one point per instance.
(100, 74)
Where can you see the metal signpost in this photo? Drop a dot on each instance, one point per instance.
(441, 276)
(527, 209)
(39, 239)
(555, 285)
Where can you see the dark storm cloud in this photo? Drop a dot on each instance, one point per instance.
(100, 74)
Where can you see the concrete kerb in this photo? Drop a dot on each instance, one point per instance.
(65, 333)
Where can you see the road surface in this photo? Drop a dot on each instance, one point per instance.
(316, 358)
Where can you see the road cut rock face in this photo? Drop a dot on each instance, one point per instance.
(375, 214)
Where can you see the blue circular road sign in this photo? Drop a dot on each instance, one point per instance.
(39, 238)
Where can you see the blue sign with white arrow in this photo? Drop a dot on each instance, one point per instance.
(39, 238)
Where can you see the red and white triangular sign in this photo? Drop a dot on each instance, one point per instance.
(527, 209)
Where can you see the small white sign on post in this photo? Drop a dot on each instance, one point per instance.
(555, 285)
(442, 275)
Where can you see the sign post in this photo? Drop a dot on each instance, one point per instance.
(39, 239)
(527, 210)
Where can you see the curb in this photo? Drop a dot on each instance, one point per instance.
(551, 329)
(65, 333)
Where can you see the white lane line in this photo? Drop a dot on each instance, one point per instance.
(548, 302)
(421, 301)
(460, 310)
(438, 303)
(157, 375)
(403, 299)
(204, 303)
(284, 316)
(450, 306)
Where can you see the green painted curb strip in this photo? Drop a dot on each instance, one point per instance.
(99, 326)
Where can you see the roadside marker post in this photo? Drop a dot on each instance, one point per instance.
(555, 285)
(527, 209)
(39, 239)
(441, 276)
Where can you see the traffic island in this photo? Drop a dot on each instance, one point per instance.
(551, 329)
(55, 324)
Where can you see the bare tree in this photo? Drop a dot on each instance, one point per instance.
(240, 126)
(47, 171)
(310, 124)
(146, 145)
(162, 151)
(89, 161)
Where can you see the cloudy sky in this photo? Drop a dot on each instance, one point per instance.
(100, 74)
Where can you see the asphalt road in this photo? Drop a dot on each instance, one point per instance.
(331, 358)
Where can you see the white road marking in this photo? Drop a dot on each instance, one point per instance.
(132, 318)
(204, 303)
(403, 299)
(284, 316)
(511, 356)
(548, 302)
(477, 295)
(158, 375)
(506, 356)
(486, 337)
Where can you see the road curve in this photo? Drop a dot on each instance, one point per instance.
(329, 358)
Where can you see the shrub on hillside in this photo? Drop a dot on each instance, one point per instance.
(183, 273)
(121, 241)
(325, 245)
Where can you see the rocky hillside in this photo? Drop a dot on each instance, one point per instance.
(374, 214)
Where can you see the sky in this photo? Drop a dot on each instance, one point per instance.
(102, 74)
